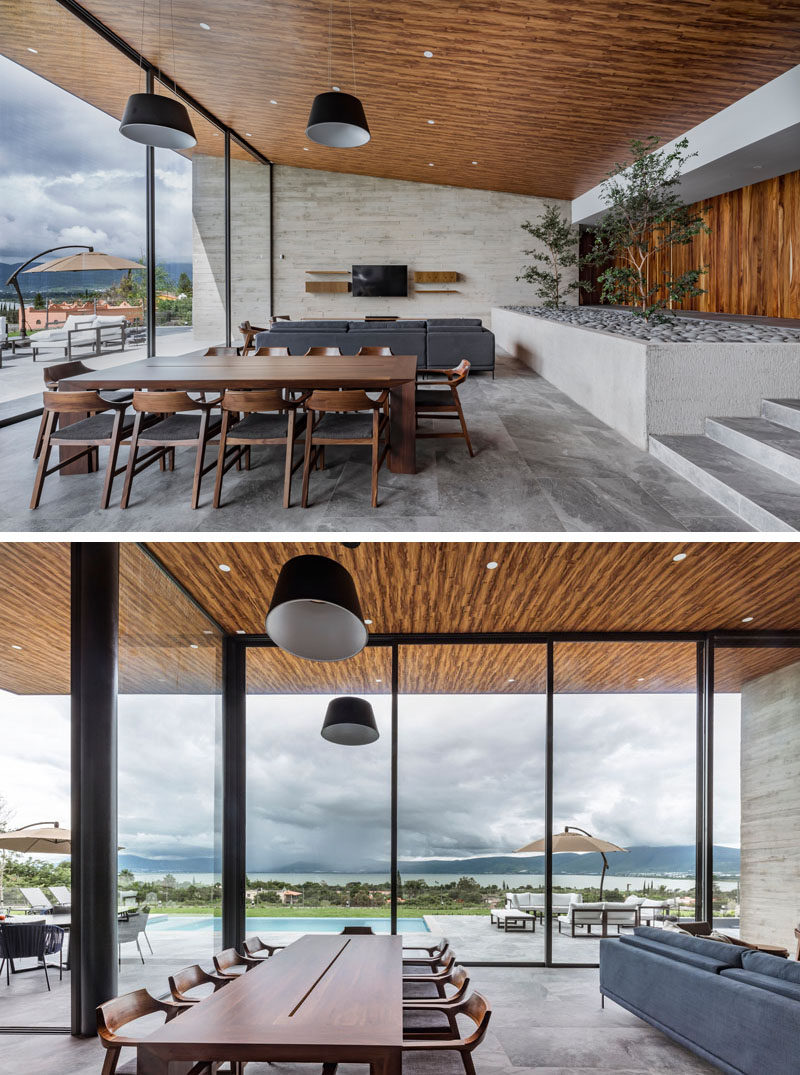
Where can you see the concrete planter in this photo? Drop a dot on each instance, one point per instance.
(639, 387)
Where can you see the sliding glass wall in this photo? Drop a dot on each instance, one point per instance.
(169, 884)
(318, 813)
(625, 725)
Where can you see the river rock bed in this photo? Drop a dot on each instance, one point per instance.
(675, 330)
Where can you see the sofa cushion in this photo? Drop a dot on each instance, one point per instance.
(730, 955)
(471, 329)
(385, 326)
(765, 981)
(679, 955)
(454, 322)
(774, 966)
(311, 326)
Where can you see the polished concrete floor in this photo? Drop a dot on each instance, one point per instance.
(542, 464)
(544, 1022)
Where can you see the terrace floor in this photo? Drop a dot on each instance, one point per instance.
(543, 464)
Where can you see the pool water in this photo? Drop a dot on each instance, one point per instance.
(265, 924)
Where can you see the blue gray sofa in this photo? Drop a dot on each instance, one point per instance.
(437, 342)
(736, 1008)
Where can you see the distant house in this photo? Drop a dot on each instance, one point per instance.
(289, 896)
(57, 313)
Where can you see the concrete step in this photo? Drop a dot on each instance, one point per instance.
(768, 443)
(762, 497)
(785, 412)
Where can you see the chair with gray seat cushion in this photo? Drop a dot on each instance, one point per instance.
(439, 399)
(450, 1055)
(60, 372)
(348, 417)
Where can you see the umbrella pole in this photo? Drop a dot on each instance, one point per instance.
(603, 874)
(12, 280)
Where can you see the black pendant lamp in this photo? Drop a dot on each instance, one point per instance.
(153, 120)
(337, 119)
(350, 722)
(315, 611)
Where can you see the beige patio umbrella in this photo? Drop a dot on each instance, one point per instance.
(43, 837)
(84, 262)
(576, 840)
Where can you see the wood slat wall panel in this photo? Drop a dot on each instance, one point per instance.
(544, 96)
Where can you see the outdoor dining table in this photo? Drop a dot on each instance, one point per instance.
(190, 373)
(324, 999)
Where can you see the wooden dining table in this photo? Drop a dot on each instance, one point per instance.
(193, 373)
(324, 999)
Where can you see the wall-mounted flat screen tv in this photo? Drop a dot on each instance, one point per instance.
(382, 281)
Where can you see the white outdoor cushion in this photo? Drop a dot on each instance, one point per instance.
(74, 322)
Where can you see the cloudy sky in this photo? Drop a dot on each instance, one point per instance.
(470, 771)
(68, 176)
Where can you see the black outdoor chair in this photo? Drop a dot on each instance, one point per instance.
(31, 940)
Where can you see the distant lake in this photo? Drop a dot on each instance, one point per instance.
(512, 881)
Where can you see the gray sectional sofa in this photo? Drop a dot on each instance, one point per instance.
(738, 1009)
(437, 342)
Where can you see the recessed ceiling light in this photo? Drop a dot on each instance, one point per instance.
(431, 121)
(640, 679)
(36, 51)
(305, 149)
(676, 559)
(747, 619)
(239, 631)
(379, 681)
(223, 567)
(204, 26)
(194, 645)
(336, 88)
(430, 164)
(492, 565)
(512, 680)
(208, 632)
(247, 134)
(273, 102)
(427, 54)
(474, 162)
(15, 646)
(367, 622)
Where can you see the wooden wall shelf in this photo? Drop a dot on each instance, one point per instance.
(328, 286)
(438, 291)
(327, 272)
(439, 277)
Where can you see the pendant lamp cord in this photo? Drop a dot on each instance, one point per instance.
(141, 48)
(352, 47)
(172, 25)
(330, 42)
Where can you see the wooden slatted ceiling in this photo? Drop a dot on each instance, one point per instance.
(411, 587)
(545, 96)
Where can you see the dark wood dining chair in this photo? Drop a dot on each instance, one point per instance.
(450, 1055)
(268, 419)
(439, 399)
(424, 987)
(194, 977)
(230, 963)
(437, 978)
(348, 417)
(103, 424)
(249, 331)
(275, 352)
(436, 960)
(323, 351)
(377, 350)
(173, 428)
(430, 949)
(221, 352)
(60, 372)
(437, 1015)
(358, 931)
(258, 949)
(120, 1011)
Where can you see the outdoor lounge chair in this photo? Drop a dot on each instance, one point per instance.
(61, 894)
(128, 929)
(38, 902)
(603, 915)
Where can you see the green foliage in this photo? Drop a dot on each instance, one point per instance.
(560, 240)
(184, 284)
(38, 301)
(645, 217)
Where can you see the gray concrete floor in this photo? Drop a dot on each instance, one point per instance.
(543, 464)
(544, 1022)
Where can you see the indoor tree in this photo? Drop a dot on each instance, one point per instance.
(645, 218)
(560, 241)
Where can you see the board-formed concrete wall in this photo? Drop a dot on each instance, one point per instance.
(770, 770)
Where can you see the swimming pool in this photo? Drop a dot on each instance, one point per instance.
(265, 924)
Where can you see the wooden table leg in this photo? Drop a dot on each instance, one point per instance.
(82, 466)
(403, 429)
(154, 1062)
(392, 1064)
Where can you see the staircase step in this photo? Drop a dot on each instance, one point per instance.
(774, 446)
(764, 499)
(785, 412)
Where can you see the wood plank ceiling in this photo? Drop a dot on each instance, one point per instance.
(168, 647)
(544, 96)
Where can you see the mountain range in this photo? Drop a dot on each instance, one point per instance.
(640, 861)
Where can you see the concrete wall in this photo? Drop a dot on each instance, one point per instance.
(324, 220)
(770, 761)
(641, 388)
(250, 269)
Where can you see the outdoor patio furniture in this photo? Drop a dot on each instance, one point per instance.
(603, 915)
(347, 417)
(126, 1009)
(258, 949)
(106, 425)
(36, 900)
(442, 401)
(268, 419)
(230, 963)
(81, 331)
(451, 1056)
(172, 428)
(128, 929)
(63, 897)
(31, 940)
(194, 977)
(512, 919)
